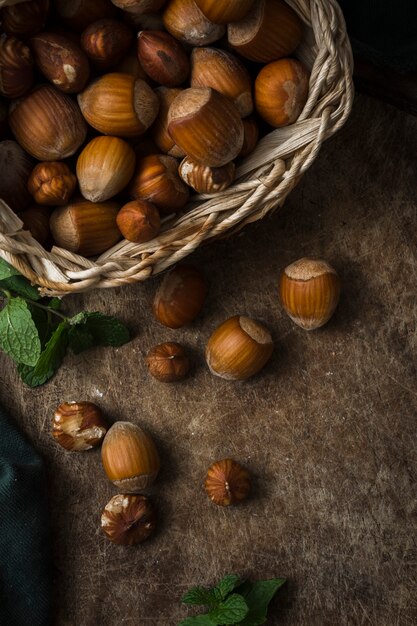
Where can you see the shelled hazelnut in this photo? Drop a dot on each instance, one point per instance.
(205, 179)
(128, 519)
(168, 362)
(139, 221)
(78, 425)
(106, 42)
(227, 482)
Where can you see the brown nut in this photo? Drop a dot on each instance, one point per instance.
(250, 136)
(271, 30)
(106, 42)
(78, 425)
(36, 220)
(309, 291)
(157, 180)
(62, 62)
(223, 72)
(128, 519)
(15, 167)
(4, 110)
(205, 179)
(16, 67)
(227, 482)
(119, 104)
(206, 125)
(184, 21)
(281, 90)
(163, 58)
(47, 124)
(85, 227)
(168, 362)
(25, 18)
(139, 221)
(104, 168)
(52, 183)
(78, 14)
(180, 296)
(130, 65)
(159, 129)
(238, 348)
(130, 458)
(224, 11)
(139, 7)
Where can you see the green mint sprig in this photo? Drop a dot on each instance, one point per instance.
(37, 335)
(232, 601)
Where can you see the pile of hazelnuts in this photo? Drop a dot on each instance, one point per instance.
(119, 110)
(309, 291)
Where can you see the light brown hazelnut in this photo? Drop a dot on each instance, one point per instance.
(250, 136)
(224, 11)
(157, 180)
(139, 221)
(184, 21)
(159, 129)
(205, 179)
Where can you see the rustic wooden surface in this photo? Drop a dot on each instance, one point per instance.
(328, 429)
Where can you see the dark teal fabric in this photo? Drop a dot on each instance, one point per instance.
(383, 31)
(25, 574)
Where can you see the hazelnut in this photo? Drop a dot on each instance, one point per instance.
(225, 73)
(130, 65)
(85, 227)
(130, 458)
(180, 296)
(168, 362)
(205, 179)
(52, 183)
(238, 348)
(16, 67)
(269, 31)
(250, 136)
(157, 180)
(139, 6)
(224, 11)
(78, 14)
(163, 58)
(47, 124)
(128, 519)
(25, 18)
(184, 21)
(281, 90)
(118, 104)
(206, 125)
(15, 167)
(62, 62)
(78, 425)
(309, 291)
(4, 110)
(227, 482)
(159, 129)
(36, 220)
(139, 221)
(106, 42)
(104, 168)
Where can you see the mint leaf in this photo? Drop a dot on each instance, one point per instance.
(19, 336)
(197, 620)
(226, 586)
(105, 330)
(7, 270)
(230, 611)
(258, 596)
(49, 360)
(20, 286)
(80, 339)
(42, 322)
(199, 595)
(54, 303)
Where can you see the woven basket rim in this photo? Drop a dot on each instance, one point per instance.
(264, 178)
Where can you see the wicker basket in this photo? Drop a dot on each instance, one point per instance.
(264, 178)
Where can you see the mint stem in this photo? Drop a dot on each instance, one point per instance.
(33, 303)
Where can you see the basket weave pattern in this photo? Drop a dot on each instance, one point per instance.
(264, 178)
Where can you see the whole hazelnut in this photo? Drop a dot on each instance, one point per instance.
(224, 11)
(205, 179)
(128, 519)
(163, 58)
(25, 18)
(168, 362)
(238, 348)
(159, 129)
(184, 21)
(139, 221)
(157, 180)
(130, 458)
(36, 220)
(78, 14)
(16, 67)
(180, 296)
(52, 183)
(309, 291)
(106, 42)
(78, 425)
(227, 482)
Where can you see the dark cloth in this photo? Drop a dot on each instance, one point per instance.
(25, 565)
(383, 31)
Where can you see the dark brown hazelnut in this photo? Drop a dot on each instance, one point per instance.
(52, 183)
(163, 58)
(25, 18)
(106, 42)
(128, 519)
(36, 220)
(168, 362)
(139, 221)
(180, 296)
(16, 67)
(78, 425)
(227, 482)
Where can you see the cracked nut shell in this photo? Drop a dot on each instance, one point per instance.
(78, 425)
(227, 482)
(128, 519)
(168, 362)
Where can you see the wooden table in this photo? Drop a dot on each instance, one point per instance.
(328, 430)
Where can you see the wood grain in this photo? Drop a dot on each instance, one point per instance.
(328, 429)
